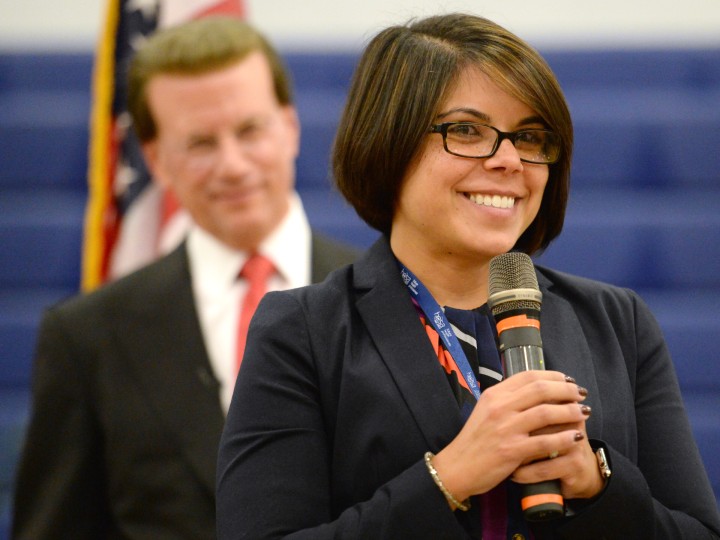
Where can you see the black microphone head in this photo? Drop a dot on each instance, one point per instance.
(513, 284)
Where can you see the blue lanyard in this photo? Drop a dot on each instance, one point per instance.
(436, 317)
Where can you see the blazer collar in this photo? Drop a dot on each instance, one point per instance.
(161, 340)
(394, 326)
(565, 345)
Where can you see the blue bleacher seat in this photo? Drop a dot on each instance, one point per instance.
(641, 238)
(14, 405)
(40, 237)
(44, 106)
(645, 179)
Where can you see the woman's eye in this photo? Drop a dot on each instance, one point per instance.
(534, 137)
(465, 130)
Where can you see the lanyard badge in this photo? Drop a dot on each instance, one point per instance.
(437, 319)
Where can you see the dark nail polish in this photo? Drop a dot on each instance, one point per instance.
(582, 391)
(579, 436)
(569, 379)
(586, 409)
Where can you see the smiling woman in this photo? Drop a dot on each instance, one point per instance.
(441, 188)
(375, 404)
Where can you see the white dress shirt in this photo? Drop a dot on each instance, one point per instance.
(214, 270)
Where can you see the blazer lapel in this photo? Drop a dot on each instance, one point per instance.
(565, 347)
(163, 343)
(400, 338)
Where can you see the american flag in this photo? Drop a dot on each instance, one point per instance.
(128, 220)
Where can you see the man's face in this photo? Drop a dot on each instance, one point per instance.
(226, 148)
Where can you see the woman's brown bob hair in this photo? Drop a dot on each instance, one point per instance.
(400, 82)
(197, 47)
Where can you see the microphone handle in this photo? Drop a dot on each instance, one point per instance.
(542, 501)
(522, 358)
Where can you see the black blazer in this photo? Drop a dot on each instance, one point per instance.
(126, 417)
(341, 394)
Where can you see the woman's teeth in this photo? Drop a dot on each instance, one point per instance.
(496, 201)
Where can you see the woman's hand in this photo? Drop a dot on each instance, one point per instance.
(577, 469)
(525, 418)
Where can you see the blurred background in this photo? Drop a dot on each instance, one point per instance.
(329, 25)
(642, 80)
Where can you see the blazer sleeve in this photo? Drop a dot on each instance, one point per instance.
(275, 467)
(59, 491)
(664, 492)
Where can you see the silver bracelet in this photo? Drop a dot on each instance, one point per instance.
(449, 496)
(603, 464)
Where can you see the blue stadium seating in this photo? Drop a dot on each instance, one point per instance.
(646, 177)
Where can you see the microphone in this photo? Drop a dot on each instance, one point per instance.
(515, 300)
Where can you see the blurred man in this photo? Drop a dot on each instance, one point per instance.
(131, 382)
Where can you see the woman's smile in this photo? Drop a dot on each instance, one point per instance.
(494, 201)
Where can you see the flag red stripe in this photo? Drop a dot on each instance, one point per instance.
(224, 7)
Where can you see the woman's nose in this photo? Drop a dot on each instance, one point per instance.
(505, 156)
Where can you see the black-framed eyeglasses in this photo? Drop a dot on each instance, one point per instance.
(468, 139)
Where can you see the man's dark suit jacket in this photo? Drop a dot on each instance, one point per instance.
(341, 394)
(126, 419)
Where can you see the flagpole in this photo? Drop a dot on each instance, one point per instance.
(99, 183)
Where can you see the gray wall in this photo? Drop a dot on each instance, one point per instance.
(318, 24)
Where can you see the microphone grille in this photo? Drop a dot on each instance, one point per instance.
(510, 271)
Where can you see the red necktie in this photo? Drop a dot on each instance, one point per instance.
(257, 271)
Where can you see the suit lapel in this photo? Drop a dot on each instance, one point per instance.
(565, 346)
(165, 348)
(400, 338)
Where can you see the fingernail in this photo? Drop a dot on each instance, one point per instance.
(579, 436)
(586, 409)
(582, 391)
(569, 379)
